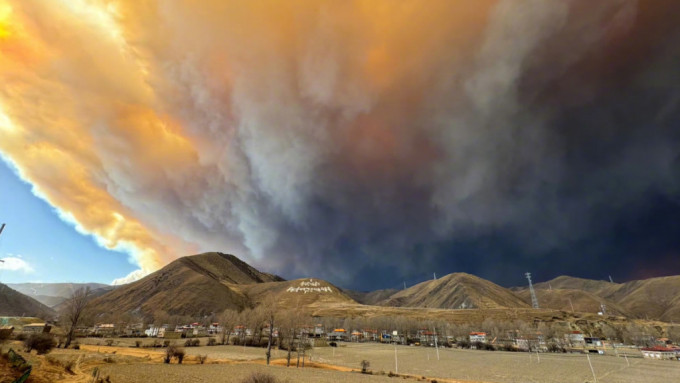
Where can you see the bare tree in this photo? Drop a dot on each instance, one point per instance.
(74, 311)
(269, 307)
(228, 319)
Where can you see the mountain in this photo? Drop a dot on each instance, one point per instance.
(53, 294)
(14, 303)
(653, 298)
(455, 291)
(210, 283)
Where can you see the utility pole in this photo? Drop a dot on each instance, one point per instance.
(435, 276)
(610, 279)
(404, 285)
(534, 300)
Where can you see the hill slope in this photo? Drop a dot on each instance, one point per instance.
(370, 297)
(654, 298)
(456, 291)
(565, 299)
(194, 285)
(13, 303)
(210, 283)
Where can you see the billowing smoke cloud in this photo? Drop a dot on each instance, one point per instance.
(343, 139)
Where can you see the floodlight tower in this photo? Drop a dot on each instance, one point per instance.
(534, 300)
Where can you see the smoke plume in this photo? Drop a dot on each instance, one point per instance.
(346, 139)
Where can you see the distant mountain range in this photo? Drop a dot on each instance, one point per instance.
(53, 294)
(13, 303)
(211, 282)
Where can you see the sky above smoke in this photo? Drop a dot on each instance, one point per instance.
(364, 142)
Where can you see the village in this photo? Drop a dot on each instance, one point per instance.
(330, 333)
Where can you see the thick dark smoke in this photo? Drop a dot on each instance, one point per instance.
(372, 143)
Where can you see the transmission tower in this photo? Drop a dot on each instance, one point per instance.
(534, 301)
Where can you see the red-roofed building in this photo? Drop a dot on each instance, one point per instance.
(661, 352)
(477, 337)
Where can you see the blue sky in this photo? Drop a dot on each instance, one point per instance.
(50, 250)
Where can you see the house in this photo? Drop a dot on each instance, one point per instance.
(385, 337)
(37, 328)
(370, 335)
(425, 337)
(575, 338)
(153, 331)
(356, 336)
(134, 329)
(592, 342)
(661, 352)
(339, 334)
(477, 337)
(531, 342)
(104, 329)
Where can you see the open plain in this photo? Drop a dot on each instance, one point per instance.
(126, 363)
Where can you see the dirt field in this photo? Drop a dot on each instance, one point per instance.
(233, 363)
(501, 367)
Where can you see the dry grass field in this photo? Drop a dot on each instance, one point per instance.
(124, 363)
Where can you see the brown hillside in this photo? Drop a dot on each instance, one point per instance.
(302, 292)
(14, 303)
(597, 287)
(370, 297)
(582, 301)
(195, 285)
(654, 298)
(456, 291)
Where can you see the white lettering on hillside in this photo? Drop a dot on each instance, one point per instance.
(310, 286)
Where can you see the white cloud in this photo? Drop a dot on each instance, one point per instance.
(16, 264)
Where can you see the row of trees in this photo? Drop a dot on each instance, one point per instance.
(290, 322)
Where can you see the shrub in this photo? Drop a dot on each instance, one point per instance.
(333, 344)
(364, 366)
(20, 336)
(179, 354)
(169, 353)
(463, 344)
(166, 343)
(212, 342)
(260, 377)
(552, 347)
(138, 343)
(202, 358)
(507, 347)
(68, 364)
(109, 342)
(192, 343)
(76, 346)
(42, 343)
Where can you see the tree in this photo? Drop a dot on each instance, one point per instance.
(228, 319)
(75, 305)
(269, 307)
